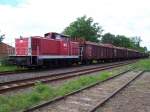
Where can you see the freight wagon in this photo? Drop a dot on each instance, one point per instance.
(56, 49)
(107, 52)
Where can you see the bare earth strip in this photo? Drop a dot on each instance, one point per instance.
(134, 98)
(85, 100)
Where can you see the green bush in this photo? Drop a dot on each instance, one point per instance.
(4, 61)
(5, 108)
(8, 68)
(5, 66)
(143, 64)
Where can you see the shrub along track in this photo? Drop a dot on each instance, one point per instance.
(89, 98)
(12, 85)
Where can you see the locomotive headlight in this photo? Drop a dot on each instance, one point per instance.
(65, 45)
(21, 41)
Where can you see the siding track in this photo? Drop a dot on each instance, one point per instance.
(89, 98)
(18, 84)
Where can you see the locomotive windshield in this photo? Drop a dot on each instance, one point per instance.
(56, 36)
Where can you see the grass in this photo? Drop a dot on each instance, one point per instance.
(143, 64)
(42, 92)
(81, 82)
(22, 101)
(8, 68)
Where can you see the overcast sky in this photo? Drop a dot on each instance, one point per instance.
(36, 17)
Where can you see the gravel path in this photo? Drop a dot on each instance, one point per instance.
(19, 76)
(134, 98)
(85, 100)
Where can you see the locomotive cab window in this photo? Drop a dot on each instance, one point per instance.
(58, 37)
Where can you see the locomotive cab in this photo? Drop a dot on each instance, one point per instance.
(56, 36)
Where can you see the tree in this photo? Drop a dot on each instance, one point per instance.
(136, 41)
(145, 49)
(85, 28)
(122, 41)
(108, 38)
(119, 40)
(1, 36)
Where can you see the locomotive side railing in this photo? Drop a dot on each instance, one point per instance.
(10, 51)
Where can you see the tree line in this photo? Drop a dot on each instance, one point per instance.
(86, 28)
(123, 41)
(1, 37)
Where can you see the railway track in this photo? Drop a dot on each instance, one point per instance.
(115, 92)
(12, 72)
(18, 84)
(89, 98)
(134, 98)
(7, 73)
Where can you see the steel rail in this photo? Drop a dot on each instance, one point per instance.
(58, 74)
(114, 93)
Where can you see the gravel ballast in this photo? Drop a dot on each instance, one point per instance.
(19, 76)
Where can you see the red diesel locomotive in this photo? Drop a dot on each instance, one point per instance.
(50, 50)
(57, 49)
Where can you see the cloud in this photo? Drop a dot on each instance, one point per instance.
(36, 17)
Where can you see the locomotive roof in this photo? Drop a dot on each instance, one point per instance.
(58, 34)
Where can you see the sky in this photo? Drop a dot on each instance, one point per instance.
(36, 17)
